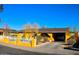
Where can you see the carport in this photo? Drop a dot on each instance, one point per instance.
(57, 33)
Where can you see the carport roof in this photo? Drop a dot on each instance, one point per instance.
(53, 30)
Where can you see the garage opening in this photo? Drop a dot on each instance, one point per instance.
(59, 37)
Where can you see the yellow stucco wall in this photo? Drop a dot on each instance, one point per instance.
(51, 37)
(33, 43)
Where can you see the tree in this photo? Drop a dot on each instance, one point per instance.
(76, 34)
(35, 28)
(28, 27)
(1, 7)
(27, 31)
(75, 29)
(6, 29)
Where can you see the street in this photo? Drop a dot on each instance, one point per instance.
(12, 51)
(46, 49)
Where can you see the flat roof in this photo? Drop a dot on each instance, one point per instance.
(53, 30)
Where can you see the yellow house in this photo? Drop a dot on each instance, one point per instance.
(56, 34)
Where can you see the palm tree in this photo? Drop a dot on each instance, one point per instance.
(1, 7)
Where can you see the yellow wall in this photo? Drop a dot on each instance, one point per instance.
(51, 37)
(6, 40)
(33, 43)
(67, 35)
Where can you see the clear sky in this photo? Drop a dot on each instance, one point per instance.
(51, 15)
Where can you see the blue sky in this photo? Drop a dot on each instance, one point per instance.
(50, 15)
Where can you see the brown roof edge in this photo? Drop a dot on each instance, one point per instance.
(50, 30)
(41, 30)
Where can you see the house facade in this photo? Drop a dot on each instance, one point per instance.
(59, 34)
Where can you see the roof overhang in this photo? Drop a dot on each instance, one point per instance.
(49, 30)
